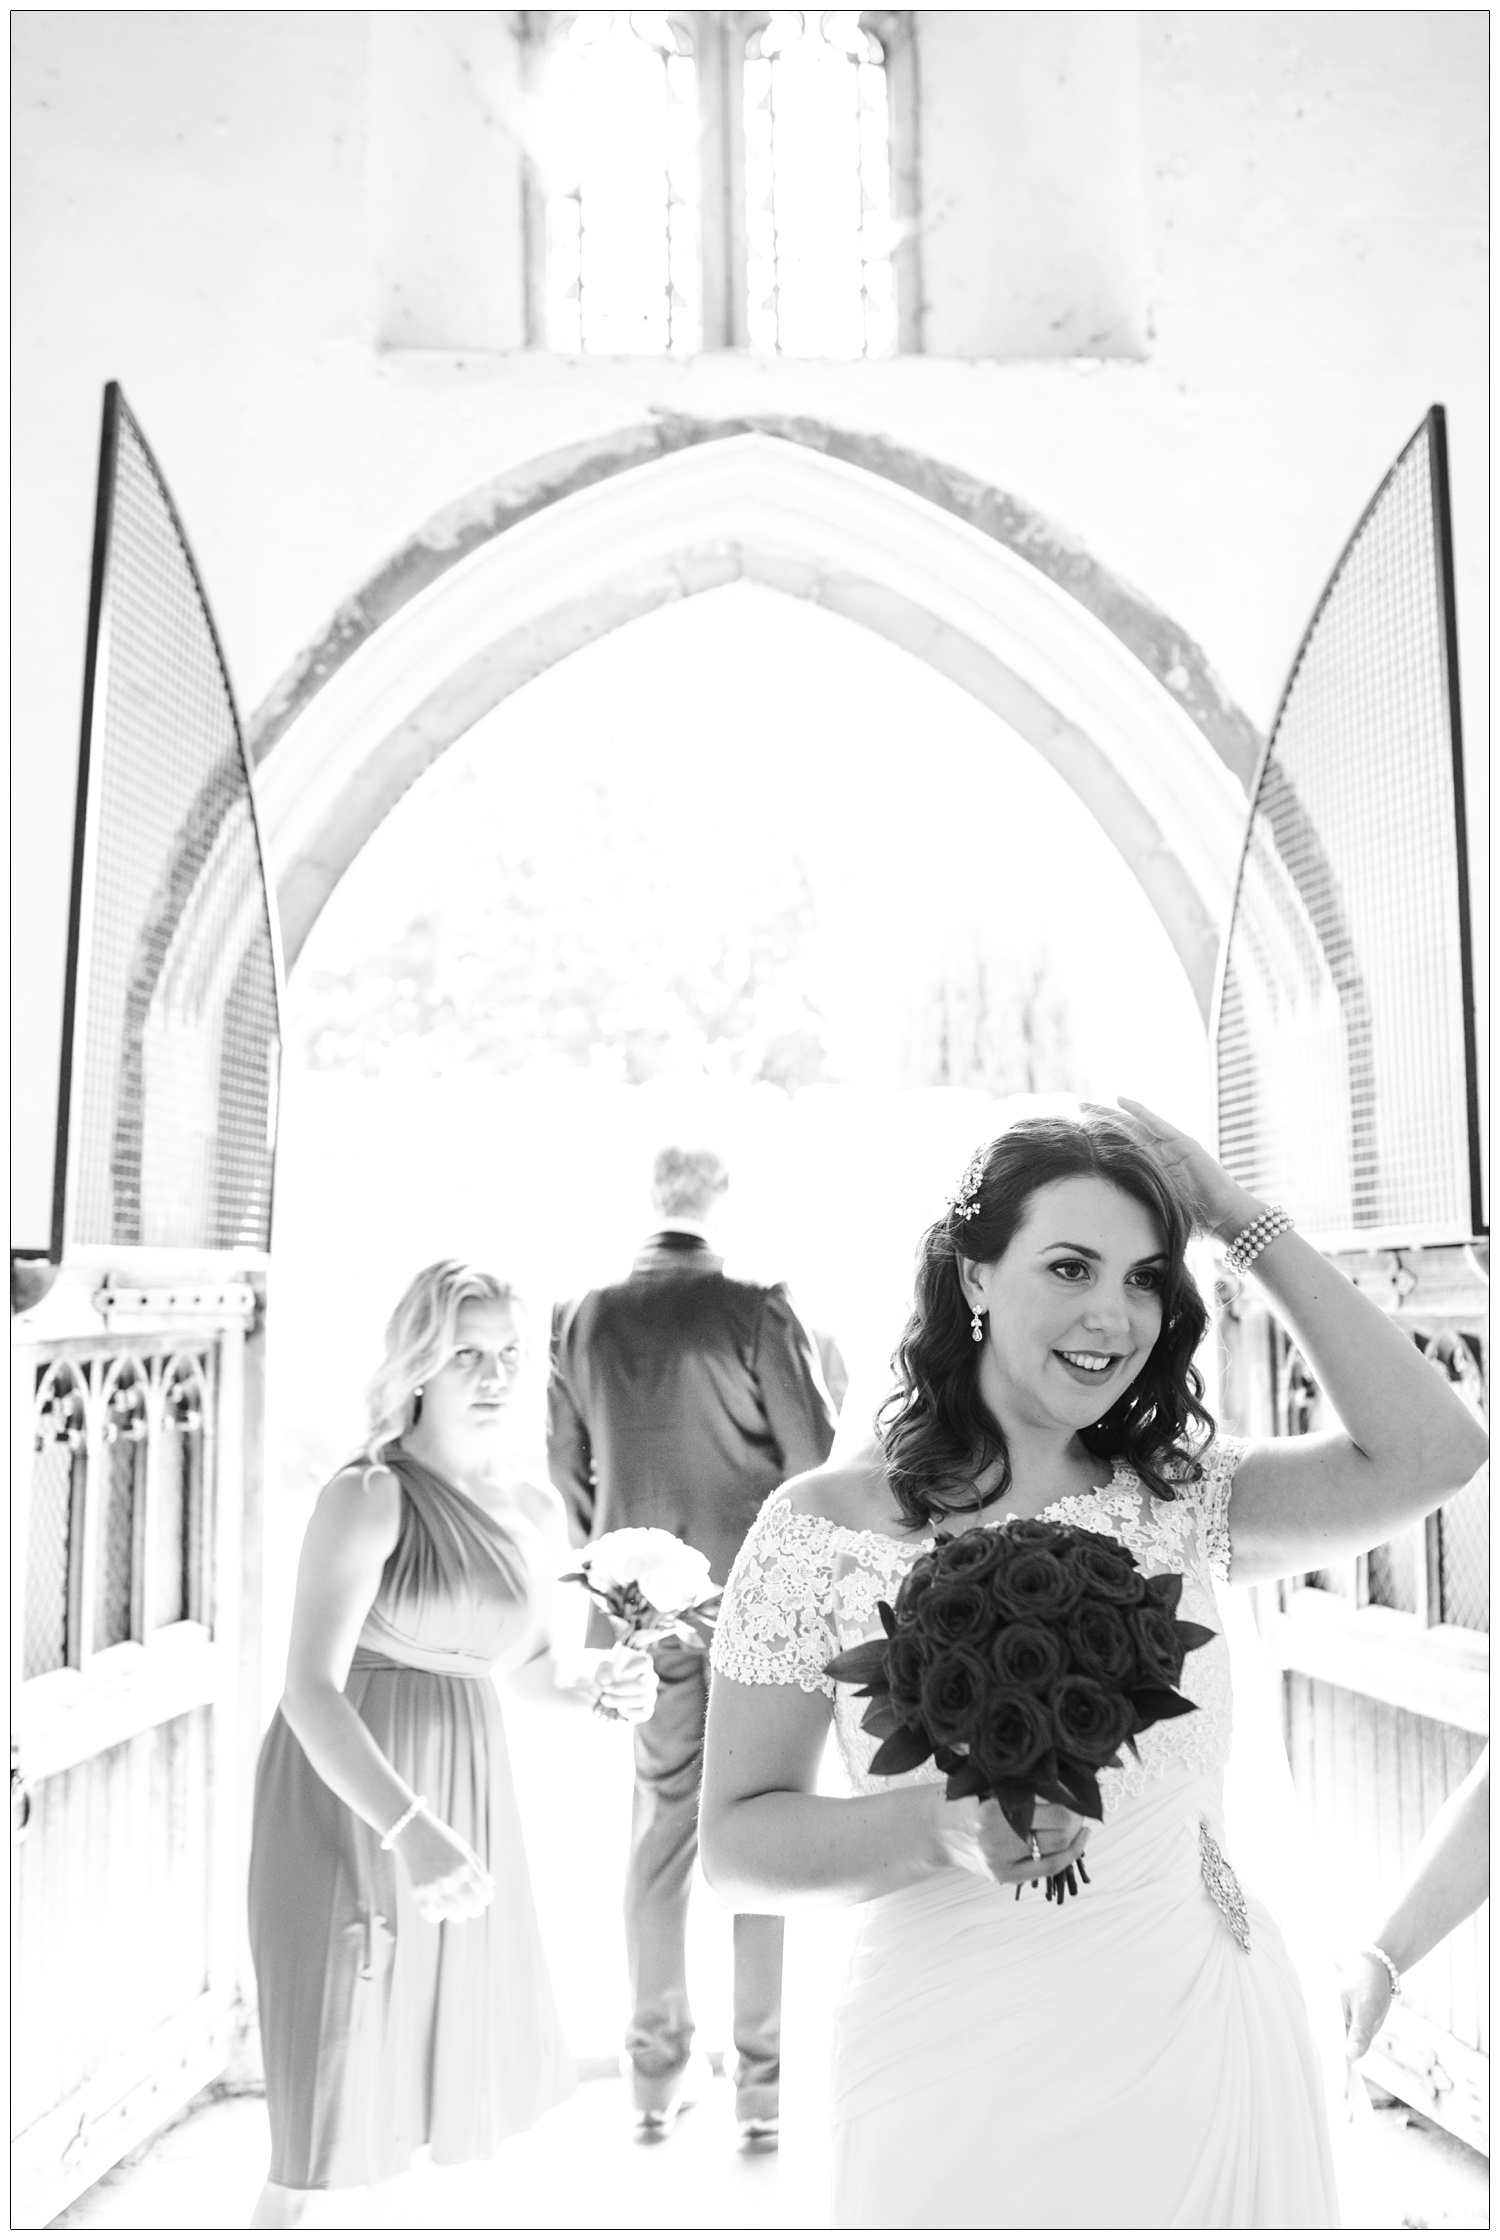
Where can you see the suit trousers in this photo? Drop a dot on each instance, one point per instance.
(663, 1848)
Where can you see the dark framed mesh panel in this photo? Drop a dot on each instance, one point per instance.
(1392, 1573)
(1344, 1033)
(1464, 1522)
(172, 1033)
(169, 1533)
(177, 1589)
(122, 1491)
(55, 1522)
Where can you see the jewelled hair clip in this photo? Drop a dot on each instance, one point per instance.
(964, 1203)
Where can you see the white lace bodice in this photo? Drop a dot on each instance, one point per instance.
(803, 1588)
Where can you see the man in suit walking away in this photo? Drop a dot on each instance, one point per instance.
(681, 1397)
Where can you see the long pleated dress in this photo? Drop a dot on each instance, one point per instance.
(1137, 2059)
(382, 2031)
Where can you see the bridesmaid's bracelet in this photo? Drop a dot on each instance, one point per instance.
(1252, 1241)
(1373, 1952)
(418, 1804)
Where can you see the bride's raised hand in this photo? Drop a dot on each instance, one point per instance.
(1216, 1200)
(979, 1838)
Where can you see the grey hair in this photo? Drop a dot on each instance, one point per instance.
(685, 1181)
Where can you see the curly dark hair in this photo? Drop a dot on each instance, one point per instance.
(939, 1436)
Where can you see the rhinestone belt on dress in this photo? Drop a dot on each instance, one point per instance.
(1224, 1887)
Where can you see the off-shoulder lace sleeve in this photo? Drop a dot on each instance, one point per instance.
(775, 1620)
(1210, 1497)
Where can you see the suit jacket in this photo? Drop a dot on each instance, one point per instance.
(681, 1398)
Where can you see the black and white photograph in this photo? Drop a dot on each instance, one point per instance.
(749, 1128)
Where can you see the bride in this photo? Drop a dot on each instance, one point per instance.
(1141, 2055)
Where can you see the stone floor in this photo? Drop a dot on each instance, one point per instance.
(580, 2168)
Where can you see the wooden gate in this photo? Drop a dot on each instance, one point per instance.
(136, 1383)
(1347, 1087)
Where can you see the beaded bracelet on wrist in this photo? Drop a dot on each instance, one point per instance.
(1253, 1239)
(418, 1804)
(1373, 1952)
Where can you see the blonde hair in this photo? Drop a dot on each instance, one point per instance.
(418, 1338)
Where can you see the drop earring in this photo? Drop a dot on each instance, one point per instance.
(976, 1327)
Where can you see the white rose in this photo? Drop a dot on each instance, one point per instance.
(670, 1574)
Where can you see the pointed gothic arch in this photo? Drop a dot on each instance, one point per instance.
(524, 571)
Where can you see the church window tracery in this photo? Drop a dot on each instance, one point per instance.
(717, 179)
(620, 161)
(819, 236)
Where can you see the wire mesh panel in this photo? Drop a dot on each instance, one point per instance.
(1464, 1544)
(169, 1531)
(1344, 1039)
(1464, 1525)
(172, 1039)
(177, 1505)
(1392, 1573)
(57, 1481)
(123, 1492)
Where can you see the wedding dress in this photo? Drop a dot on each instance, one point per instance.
(1136, 2058)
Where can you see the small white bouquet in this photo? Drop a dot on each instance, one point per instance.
(650, 1585)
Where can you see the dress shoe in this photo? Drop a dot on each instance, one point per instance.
(652, 2125)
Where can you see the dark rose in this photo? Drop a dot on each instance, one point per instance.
(953, 1692)
(1105, 1570)
(1158, 1651)
(905, 1662)
(969, 1555)
(957, 1610)
(1089, 1720)
(1028, 1655)
(1037, 1532)
(1013, 1736)
(916, 1586)
(1102, 1644)
(1035, 1583)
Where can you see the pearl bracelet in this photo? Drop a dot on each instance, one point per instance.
(1373, 1952)
(1253, 1239)
(418, 1804)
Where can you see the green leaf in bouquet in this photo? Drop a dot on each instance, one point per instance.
(1082, 1791)
(1159, 1703)
(574, 1579)
(882, 1718)
(887, 1617)
(862, 1666)
(966, 1780)
(1018, 1804)
(1056, 1792)
(900, 1751)
(1165, 1590)
(1190, 1634)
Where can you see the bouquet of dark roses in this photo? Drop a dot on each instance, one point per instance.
(651, 1586)
(1022, 1658)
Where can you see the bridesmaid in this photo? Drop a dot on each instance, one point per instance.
(404, 1997)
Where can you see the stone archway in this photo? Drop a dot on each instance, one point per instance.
(523, 572)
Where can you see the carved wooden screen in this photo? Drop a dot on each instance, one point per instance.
(171, 1040)
(1345, 1031)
